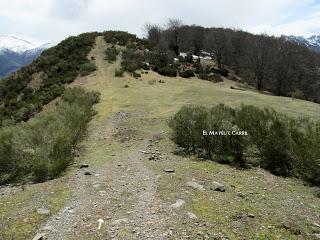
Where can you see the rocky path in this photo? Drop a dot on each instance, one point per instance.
(120, 189)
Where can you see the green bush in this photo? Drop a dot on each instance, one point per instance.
(298, 94)
(118, 73)
(119, 37)
(43, 146)
(285, 146)
(223, 72)
(168, 71)
(212, 77)
(190, 123)
(132, 60)
(111, 54)
(87, 68)
(187, 73)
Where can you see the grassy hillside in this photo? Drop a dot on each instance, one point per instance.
(130, 190)
(20, 99)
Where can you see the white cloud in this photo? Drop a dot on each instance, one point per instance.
(306, 26)
(56, 19)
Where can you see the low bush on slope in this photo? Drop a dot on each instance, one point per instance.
(119, 37)
(285, 146)
(58, 66)
(111, 54)
(42, 147)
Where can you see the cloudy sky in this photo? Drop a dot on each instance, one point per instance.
(53, 20)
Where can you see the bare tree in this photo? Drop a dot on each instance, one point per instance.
(152, 32)
(173, 29)
(258, 54)
(216, 42)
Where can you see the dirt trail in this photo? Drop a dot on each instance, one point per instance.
(121, 189)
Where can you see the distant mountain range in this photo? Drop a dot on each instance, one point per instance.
(16, 53)
(312, 42)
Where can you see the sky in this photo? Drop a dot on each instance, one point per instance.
(42, 21)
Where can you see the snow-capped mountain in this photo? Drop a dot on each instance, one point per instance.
(16, 53)
(312, 42)
(15, 44)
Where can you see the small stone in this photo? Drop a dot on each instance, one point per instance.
(316, 225)
(168, 170)
(39, 236)
(240, 194)
(178, 204)
(316, 235)
(195, 185)
(217, 187)
(43, 211)
(88, 173)
(84, 166)
(250, 215)
(191, 215)
(119, 221)
(47, 228)
(70, 211)
(102, 193)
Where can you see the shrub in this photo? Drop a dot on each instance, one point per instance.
(87, 68)
(118, 73)
(212, 77)
(43, 146)
(118, 37)
(168, 71)
(298, 94)
(145, 66)
(190, 122)
(269, 132)
(111, 54)
(187, 73)
(159, 59)
(226, 148)
(285, 146)
(151, 82)
(223, 72)
(189, 58)
(132, 60)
